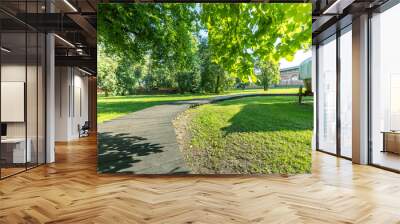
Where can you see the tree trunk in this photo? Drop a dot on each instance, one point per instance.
(266, 86)
(300, 94)
(217, 85)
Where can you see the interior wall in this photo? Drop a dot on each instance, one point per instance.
(80, 102)
(62, 81)
(71, 102)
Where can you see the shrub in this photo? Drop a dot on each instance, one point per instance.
(188, 81)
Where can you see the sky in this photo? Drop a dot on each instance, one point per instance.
(299, 57)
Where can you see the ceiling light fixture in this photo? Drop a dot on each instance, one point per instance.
(64, 40)
(331, 7)
(337, 7)
(5, 50)
(79, 51)
(84, 71)
(70, 5)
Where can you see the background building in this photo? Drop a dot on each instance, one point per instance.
(290, 77)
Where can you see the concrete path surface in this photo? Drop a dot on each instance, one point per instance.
(144, 142)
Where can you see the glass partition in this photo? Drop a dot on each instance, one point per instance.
(327, 95)
(14, 155)
(22, 95)
(385, 89)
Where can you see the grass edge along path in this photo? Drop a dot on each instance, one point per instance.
(112, 107)
(253, 135)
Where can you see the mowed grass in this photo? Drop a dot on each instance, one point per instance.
(112, 107)
(255, 135)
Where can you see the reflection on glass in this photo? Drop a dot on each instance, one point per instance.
(346, 94)
(327, 96)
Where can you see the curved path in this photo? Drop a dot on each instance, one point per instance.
(144, 142)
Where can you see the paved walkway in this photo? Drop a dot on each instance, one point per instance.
(144, 142)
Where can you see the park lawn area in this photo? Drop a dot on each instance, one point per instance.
(112, 107)
(254, 135)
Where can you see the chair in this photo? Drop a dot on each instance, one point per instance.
(84, 130)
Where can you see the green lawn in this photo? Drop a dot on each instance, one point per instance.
(250, 135)
(112, 107)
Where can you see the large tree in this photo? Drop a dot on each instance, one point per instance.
(163, 30)
(163, 39)
(268, 74)
(212, 74)
(106, 69)
(241, 34)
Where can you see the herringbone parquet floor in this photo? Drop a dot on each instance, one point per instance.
(70, 191)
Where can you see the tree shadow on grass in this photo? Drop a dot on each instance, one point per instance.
(258, 117)
(118, 152)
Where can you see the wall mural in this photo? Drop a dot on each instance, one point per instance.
(191, 89)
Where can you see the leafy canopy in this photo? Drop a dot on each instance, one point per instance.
(242, 34)
(167, 43)
(133, 30)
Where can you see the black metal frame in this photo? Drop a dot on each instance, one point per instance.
(338, 76)
(44, 80)
(369, 100)
(0, 85)
(316, 97)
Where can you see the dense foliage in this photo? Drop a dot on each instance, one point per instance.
(195, 47)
